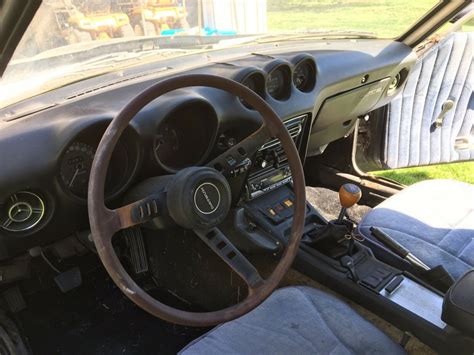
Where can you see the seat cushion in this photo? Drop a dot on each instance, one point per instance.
(434, 219)
(296, 320)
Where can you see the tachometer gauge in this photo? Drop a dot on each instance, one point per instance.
(185, 136)
(76, 166)
(166, 140)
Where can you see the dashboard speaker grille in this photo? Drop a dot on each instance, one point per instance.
(21, 212)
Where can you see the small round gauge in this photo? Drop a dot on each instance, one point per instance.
(278, 83)
(304, 76)
(256, 83)
(76, 166)
(250, 83)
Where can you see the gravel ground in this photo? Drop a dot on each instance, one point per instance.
(327, 203)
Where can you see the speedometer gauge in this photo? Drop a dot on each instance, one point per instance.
(76, 166)
(75, 163)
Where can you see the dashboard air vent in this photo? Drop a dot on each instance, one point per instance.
(397, 81)
(21, 212)
(293, 125)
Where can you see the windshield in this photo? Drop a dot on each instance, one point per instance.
(70, 40)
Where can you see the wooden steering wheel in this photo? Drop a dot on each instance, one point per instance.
(198, 198)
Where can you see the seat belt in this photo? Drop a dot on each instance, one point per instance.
(438, 277)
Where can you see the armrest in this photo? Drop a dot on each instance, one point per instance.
(458, 304)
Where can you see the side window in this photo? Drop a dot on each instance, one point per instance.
(430, 125)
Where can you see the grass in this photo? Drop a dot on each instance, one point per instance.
(387, 18)
(457, 171)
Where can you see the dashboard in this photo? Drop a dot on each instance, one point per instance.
(47, 143)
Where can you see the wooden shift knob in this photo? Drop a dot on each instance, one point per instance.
(349, 195)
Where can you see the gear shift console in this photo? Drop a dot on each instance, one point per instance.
(349, 195)
(330, 239)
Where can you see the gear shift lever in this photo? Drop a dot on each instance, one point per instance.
(329, 237)
(349, 195)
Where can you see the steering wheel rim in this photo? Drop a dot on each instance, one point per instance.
(105, 223)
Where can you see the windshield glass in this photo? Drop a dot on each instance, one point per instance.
(70, 40)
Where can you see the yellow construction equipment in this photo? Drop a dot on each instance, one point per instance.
(81, 20)
(150, 17)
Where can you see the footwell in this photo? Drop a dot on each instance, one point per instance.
(98, 319)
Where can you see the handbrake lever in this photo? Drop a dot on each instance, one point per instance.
(398, 249)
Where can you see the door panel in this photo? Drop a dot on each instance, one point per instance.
(445, 72)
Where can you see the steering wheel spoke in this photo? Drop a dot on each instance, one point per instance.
(246, 149)
(218, 242)
(141, 211)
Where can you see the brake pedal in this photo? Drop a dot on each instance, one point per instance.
(136, 246)
(69, 280)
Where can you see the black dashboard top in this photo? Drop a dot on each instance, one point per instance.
(47, 143)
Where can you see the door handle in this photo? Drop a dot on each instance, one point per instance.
(445, 108)
(464, 143)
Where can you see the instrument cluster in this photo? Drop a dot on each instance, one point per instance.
(280, 78)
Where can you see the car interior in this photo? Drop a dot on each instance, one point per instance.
(217, 203)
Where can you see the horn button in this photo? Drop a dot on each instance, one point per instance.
(207, 198)
(199, 198)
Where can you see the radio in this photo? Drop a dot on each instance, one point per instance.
(270, 168)
(268, 181)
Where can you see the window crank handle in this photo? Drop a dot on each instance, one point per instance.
(445, 108)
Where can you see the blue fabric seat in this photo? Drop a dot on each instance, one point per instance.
(434, 219)
(296, 320)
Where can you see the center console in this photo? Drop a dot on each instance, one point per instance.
(366, 274)
(263, 222)
(270, 167)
